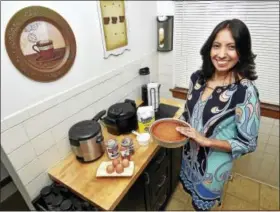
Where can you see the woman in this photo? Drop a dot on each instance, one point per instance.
(223, 110)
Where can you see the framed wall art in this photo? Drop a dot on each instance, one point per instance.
(114, 27)
(40, 43)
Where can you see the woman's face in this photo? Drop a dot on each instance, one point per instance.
(223, 52)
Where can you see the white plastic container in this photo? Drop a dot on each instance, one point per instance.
(146, 117)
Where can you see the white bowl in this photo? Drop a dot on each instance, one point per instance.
(143, 139)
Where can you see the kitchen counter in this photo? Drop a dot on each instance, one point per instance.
(105, 193)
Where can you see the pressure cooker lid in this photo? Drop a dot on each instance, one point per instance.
(121, 110)
(84, 130)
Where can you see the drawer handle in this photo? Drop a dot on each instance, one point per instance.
(160, 204)
(162, 181)
(159, 161)
(147, 178)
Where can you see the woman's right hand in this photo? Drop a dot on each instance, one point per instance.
(192, 133)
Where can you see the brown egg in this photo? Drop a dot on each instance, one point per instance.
(119, 168)
(110, 169)
(125, 162)
(115, 162)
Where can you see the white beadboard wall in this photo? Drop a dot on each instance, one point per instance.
(40, 140)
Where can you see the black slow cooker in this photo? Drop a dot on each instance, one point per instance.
(121, 117)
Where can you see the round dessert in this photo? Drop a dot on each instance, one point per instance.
(166, 131)
(165, 134)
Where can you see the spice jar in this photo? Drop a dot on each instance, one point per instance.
(112, 149)
(125, 153)
(127, 142)
(127, 148)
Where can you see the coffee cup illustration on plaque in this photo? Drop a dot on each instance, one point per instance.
(45, 49)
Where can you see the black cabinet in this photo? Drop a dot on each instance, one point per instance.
(175, 160)
(155, 185)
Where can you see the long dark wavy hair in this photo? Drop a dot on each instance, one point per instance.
(245, 67)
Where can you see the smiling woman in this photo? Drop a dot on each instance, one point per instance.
(223, 110)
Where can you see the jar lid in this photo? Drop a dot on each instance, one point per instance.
(111, 143)
(66, 205)
(57, 201)
(46, 191)
(126, 141)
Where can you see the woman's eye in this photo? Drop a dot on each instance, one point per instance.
(232, 47)
(215, 46)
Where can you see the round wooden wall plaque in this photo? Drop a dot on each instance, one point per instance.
(40, 43)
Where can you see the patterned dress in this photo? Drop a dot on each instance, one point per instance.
(231, 113)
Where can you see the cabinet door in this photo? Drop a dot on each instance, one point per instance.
(157, 177)
(135, 197)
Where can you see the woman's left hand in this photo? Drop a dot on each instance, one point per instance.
(192, 133)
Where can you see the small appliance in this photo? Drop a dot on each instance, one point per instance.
(86, 139)
(153, 95)
(121, 118)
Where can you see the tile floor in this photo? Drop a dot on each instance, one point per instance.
(239, 194)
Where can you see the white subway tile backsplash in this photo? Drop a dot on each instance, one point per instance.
(276, 122)
(16, 118)
(85, 114)
(275, 130)
(37, 124)
(3, 126)
(43, 142)
(128, 75)
(102, 104)
(97, 92)
(49, 158)
(22, 156)
(59, 113)
(63, 147)
(13, 138)
(30, 171)
(116, 81)
(42, 106)
(34, 187)
(61, 130)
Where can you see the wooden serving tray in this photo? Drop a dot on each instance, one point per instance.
(101, 171)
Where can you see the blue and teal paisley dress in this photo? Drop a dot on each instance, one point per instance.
(231, 113)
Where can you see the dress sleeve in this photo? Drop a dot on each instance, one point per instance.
(247, 118)
(185, 116)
